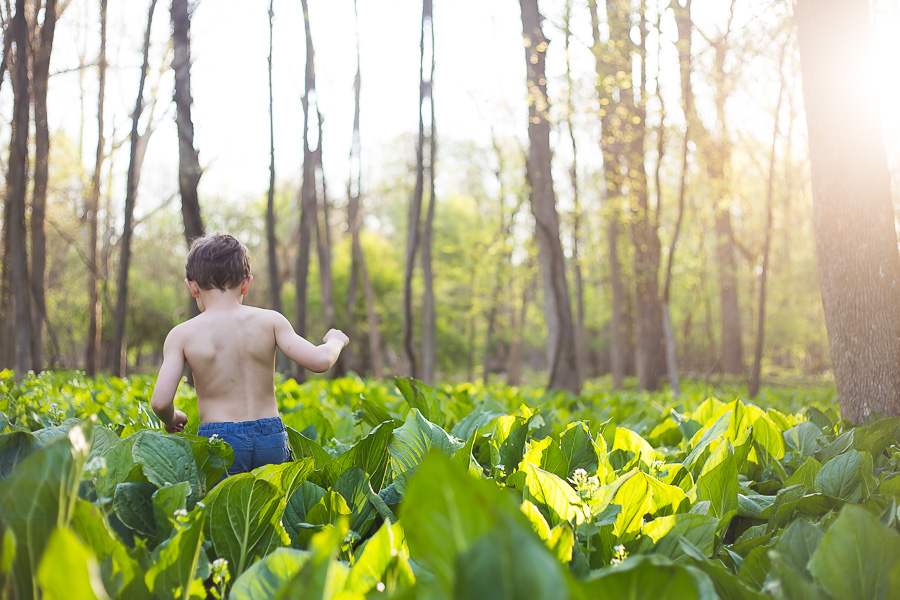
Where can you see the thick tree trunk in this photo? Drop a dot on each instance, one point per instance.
(562, 356)
(853, 218)
(16, 183)
(41, 74)
(189, 170)
(118, 346)
(94, 306)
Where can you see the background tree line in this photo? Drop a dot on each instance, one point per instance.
(651, 216)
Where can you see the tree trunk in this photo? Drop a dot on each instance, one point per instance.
(308, 211)
(358, 259)
(428, 316)
(16, 183)
(41, 71)
(271, 241)
(611, 196)
(763, 276)
(562, 356)
(189, 170)
(323, 246)
(514, 364)
(853, 218)
(580, 341)
(94, 306)
(118, 346)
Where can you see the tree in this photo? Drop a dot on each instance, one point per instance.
(562, 360)
(271, 240)
(358, 269)
(15, 251)
(41, 76)
(138, 143)
(189, 170)
(92, 208)
(853, 218)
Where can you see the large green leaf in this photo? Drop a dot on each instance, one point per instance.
(662, 535)
(166, 460)
(648, 578)
(798, 543)
(422, 398)
(120, 466)
(68, 569)
(579, 449)
(213, 457)
(413, 440)
(383, 559)
(38, 496)
(244, 520)
(269, 576)
(166, 501)
(720, 487)
(703, 438)
(369, 454)
(847, 476)
(174, 573)
(302, 447)
(557, 500)
(14, 448)
(855, 558)
(804, 438)
(635, 498)
(294, 519)
(286, 477)
(320, 577)
(353, 486)
(133, 503)
(507, 442)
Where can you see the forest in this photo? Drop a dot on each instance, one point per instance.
(625, 272)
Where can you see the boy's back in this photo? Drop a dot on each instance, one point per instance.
(230, 349)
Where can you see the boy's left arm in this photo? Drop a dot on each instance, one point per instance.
(163, 399)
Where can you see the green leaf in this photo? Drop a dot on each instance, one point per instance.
(303, 447)
(166, 501)
(14, 448)
(507, 442)
(845, 477)
(856, 556)
(806, 474)
(212, 457)
(120, 466)
(413, 440)
(767, 435)
(38, 496)
(304, 498)
(474, 421)
(244, 520)
(369, 454)
(635, 498)
(798, 543)
(383, 558)
(666, 499)
(662, 535)
(286, 477)
(648, 578)
(633, 444)
(321, 576)
(720, 486)
(705, 437)
(804, 438)
(133, 503)
(268, 578)
(422, 398)
(173, 574)
(353, 486)
(68, 569)
(579, 449)
(558, 501)
(166, 460)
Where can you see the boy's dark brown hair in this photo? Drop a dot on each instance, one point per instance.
(218, 261)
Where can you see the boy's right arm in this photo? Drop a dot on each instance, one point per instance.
(163, 399)
(300, 350)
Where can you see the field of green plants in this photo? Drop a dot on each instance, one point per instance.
(398, 490)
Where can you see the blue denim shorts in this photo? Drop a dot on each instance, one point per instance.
(255, 443)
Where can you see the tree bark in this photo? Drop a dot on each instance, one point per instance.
(41, 75)
(428, 309)
(562, 356)
(189, 170)
(323, 245)
(94, 306)
(358, 268)
(853, 218)
(16, 183)
(308, 209)
(763, 276)
(119, 344)
(271, 241)
(612, 200)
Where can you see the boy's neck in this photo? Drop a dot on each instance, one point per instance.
(216, 299)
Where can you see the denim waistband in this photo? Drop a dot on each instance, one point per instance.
(265, 426)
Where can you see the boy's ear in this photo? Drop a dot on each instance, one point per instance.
(245, 285)
(193, 288)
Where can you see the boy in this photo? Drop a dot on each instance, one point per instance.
(231, 351)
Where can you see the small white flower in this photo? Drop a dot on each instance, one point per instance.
(379, 586)
(579, 473)
(201, 505)
(219, 563)
(181, 512)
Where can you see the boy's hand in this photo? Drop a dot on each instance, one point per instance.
(336, 334)
(179, 423)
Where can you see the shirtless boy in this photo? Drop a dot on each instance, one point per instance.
(231, 351)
